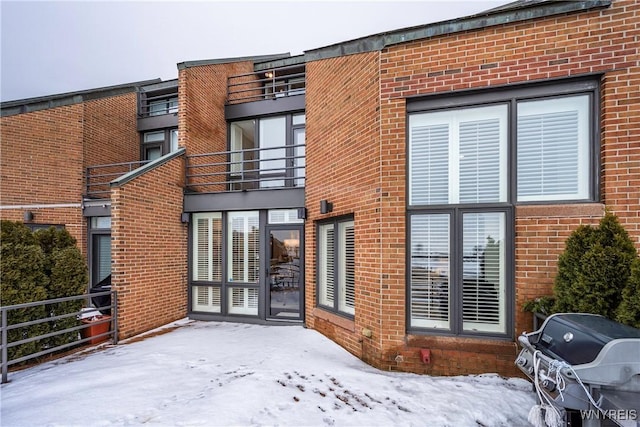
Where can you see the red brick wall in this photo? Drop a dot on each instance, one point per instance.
(339, 108)
(202, 95)
(42, 156)
(41, 165)
(45, 153)
(149, 249)
(110, 130)
(597, 41)
(343, 166)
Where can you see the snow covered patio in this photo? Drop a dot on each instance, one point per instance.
(229, 374)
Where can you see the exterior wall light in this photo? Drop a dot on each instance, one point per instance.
(28, 216)
(325, 206)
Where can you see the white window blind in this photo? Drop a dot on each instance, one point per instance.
(480, 161)
(429, 169)
(430, 271)
(483, 293)
(458, 156)
(206, 298)
(243, 301)
(243, 239)
(207, 247)
(346, 280)
(326, 268)
(553, 149)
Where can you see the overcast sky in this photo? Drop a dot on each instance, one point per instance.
(54, 47)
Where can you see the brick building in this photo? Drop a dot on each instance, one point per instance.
(401, 192)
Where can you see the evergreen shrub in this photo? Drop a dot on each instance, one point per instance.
(39, 266)
(598, 272)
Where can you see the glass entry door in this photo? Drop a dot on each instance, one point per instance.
(285, 273)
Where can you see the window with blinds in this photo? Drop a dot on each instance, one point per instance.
(430, 271)
(346, 278)
(471, 160)
(326, 270)
(336, 265)
(243, 301)
(243, 246)
(458, 156)
(483, 272)
(207, 247)
(206, 298)
(553, 149)
(102, 246)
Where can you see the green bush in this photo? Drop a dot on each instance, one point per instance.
(594, 269)
(629, 309)
(23, 280)
(68, 278)
(36, 267)
(67, 272)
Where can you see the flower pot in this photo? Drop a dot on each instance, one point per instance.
(94, 328)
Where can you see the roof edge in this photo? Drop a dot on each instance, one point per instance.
(517, 13)
(28, 105)
(256, 58)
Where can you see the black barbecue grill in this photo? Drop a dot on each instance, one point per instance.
(585, 369)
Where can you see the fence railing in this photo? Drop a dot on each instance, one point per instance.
(98, 177)
(87, 329)
(250, 169)
(272, 84)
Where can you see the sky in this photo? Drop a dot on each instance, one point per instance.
(231, 374)
(51, 47)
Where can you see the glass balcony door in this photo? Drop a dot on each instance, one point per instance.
(284, 275)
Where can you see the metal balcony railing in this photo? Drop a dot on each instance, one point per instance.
(151, 106)
(272, 84)
(252, 169)
(98, 177)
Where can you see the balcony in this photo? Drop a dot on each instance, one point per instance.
(158, 106)
(98, 177)
(281, 82)
(247, 170)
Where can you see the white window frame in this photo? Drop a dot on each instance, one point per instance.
(581, 104)
(453, 120)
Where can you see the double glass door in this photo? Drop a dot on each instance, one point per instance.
(284, 275)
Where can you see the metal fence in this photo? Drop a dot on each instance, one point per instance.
(88, 329)
(98, 177)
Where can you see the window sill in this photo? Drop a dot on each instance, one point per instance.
(335, 319)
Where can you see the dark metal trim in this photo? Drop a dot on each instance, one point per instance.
(286, 104)
(285, 62)
(257, 58)
(503, 93)
(149, 166)
(245, 200)
(336, 242)
(156, 122)
(28, 105)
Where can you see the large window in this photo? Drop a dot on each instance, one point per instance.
(336, 266)
(267, 152)
(207, 261)
(468, 168)
(225, 265)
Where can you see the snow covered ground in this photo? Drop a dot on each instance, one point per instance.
(227, 374)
